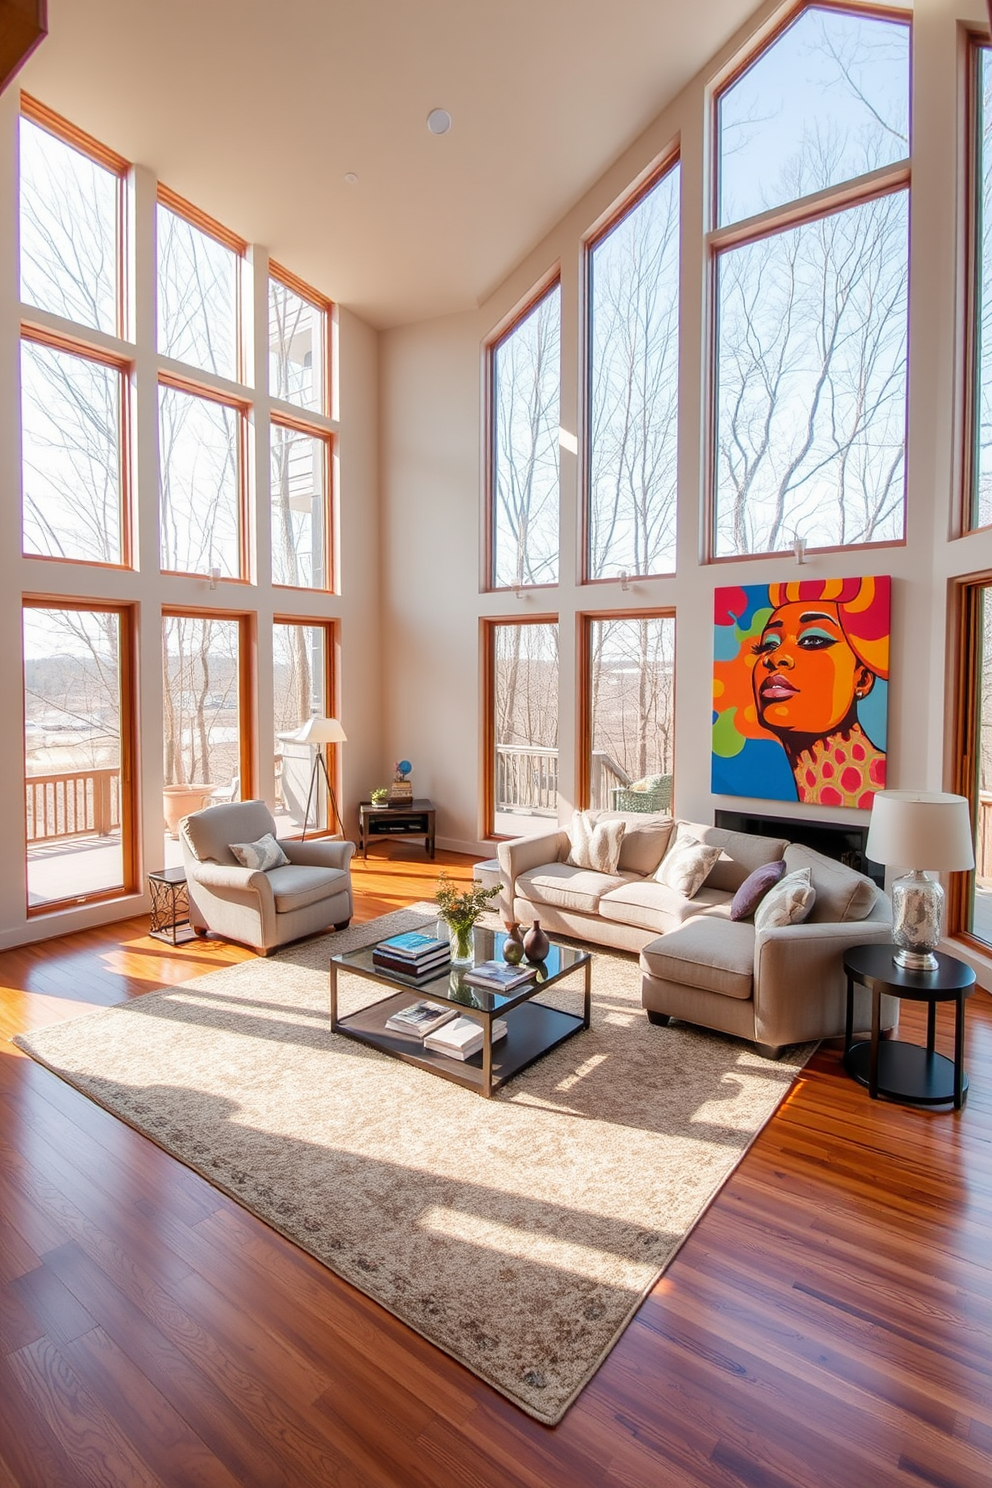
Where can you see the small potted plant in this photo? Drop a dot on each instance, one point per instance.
(460, 909)
(379, 795)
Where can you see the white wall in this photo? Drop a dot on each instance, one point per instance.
(432, 478)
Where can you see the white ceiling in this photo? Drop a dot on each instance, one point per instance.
(255, 110)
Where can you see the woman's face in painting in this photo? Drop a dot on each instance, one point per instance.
(806, 678)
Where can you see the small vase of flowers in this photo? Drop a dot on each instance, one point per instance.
(459, 909)
(378, 795)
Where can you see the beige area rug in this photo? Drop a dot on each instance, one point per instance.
(518, 1234)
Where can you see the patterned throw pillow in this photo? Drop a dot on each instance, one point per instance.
(788, 903)
(755, 887)
(687, 864)
(595, 845)
(261, 855)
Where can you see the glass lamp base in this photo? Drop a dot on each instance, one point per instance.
(917, 914)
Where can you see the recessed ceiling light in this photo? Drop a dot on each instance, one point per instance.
(350, 177)
(439, 121)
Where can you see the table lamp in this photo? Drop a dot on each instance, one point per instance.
(318, 731)
(934, 830)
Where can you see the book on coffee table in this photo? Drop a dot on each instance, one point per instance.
(417, 970)
(421, 1018)
(462, 1038)
(498, 976)
(413, 945)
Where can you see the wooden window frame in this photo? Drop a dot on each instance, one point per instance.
(501, 334)
(243, 408)
(329, 442)
(629, 203)
(211, 228)
(976, 44)
(128, 799)
(830, 201)
(87, 353)
(332, 670)
(85, 144)
(585, 620)
(326, 308)
(488, 627)
(965, 629)
(247, 621)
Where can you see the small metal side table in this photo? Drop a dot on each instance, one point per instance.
(903, 1071)
(170, 906)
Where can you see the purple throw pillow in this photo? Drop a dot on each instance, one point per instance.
(754, 888)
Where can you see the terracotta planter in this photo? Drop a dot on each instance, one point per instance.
(179, 800)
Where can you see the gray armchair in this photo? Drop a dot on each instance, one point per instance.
(264, 910)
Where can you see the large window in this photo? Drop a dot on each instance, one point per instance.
(525, 370)
(73, 472)
(71, 203)
(971, 902)
(205, 707)
(980, 514)
(198, 291)
(811, 252)
(522, 727)
(633, 299)
(630, 671)
(300, 461)
(201, 478)
(77, 749)
(299, 371)
(301, 658)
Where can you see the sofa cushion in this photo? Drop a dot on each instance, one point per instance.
(653, 906)
(645, 841)
(788, 903)
(595, 844)
(714, 954)
(296, 885)
(740, 854)
(687, 863)
(755, 887)
(841, 892)
(566, 887)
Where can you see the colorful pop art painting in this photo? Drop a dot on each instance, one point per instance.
(800, 691)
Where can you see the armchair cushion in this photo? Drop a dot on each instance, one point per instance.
(295, 885)
(263, 854)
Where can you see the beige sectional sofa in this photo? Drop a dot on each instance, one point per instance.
(779, 986)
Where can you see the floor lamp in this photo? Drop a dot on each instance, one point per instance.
(318, 732)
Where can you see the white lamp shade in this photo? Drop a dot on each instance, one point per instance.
(320, 731)
(911, 829)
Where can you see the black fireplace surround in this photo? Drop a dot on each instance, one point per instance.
(839, 840)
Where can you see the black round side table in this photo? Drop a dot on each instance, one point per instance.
(902, 1071)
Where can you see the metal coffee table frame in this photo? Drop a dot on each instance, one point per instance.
(533, 1028)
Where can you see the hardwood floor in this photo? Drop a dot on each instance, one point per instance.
(828, 1322)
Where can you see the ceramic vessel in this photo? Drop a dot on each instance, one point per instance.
(513, 946)
(536, 943)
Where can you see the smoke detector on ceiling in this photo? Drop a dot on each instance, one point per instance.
(439, 121)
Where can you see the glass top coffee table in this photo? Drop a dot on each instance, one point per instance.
(533, 1028)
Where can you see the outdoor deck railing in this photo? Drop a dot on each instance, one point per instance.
(527, 779)
(983, 837)
(72, 803)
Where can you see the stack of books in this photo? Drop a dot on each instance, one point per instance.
(497, 976)
(401, 793)
(421, 1018)
(413, 955)
(462, 1038)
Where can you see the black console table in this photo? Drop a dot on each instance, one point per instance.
(413, 819)
(902, 1071)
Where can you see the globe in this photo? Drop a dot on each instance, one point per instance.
(404, 767)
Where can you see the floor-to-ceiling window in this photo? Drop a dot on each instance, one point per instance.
(629, 665)
(522, 726)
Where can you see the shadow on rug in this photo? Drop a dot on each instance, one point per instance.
(518, 1234)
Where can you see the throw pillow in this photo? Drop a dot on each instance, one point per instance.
(788, 903)
(595, 845)
(754, 888)
(261, 855)
(686, 865)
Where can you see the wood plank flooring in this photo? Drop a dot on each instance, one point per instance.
(828, 1324)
